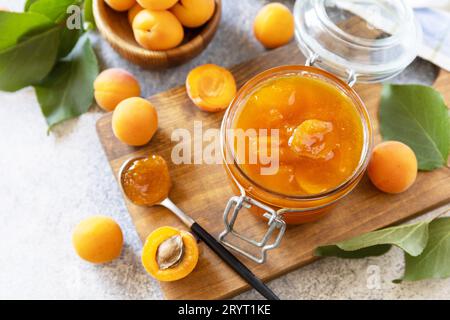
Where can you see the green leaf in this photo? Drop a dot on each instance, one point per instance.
(28, 4)
(68, 40)
(335, 251)
(89, 14)
(434, 262)
(57, 12)
(411, 238)
(68, 91)
(54, 10)
(417, 116)
(29, 61)
(18, 25)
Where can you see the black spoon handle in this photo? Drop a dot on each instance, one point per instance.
(233, 262)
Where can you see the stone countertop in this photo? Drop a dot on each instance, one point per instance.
(48, 183)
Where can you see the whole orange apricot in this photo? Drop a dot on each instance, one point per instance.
(392, 167)
(121, 5)
(157, 30)
(274, 25)
(157, 4)
(135, 121)
(113, 86)
(211, 87)
(132, 13)
(98, 239)
(194, 13)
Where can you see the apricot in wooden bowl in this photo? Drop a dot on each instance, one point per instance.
(115, 27)
(121, 5)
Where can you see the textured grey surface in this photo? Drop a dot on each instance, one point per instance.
(49, 183)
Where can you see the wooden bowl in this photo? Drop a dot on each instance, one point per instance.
(116, 29)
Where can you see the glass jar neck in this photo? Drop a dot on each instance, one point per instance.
(373, 39)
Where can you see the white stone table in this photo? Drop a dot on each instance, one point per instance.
(50, 182)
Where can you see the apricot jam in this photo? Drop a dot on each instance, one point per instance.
(318, 127)
(146, 181)
(320, 134)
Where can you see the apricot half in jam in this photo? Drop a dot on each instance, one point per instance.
(314, 139)
(321, 134)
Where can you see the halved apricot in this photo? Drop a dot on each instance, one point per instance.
(170, 254)
(307, 179)
(313, 139)
(332, 173)
(211, 87)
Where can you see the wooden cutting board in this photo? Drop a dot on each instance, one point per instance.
(203, 191)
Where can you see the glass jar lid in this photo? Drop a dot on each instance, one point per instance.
(372, 40)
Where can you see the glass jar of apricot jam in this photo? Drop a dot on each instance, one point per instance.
(324, 139)
(308, 120)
